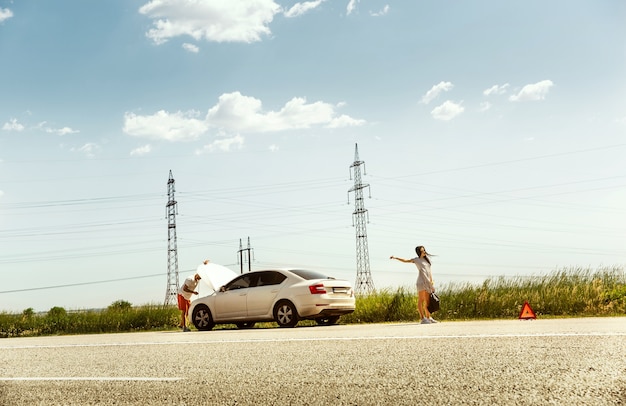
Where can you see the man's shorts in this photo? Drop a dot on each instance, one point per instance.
(183, 304)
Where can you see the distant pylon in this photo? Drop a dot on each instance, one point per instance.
(172, 251)
(243, 259)
(364, 284)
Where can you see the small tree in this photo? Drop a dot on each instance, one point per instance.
(56, 321)
(57, 312)
(120, 305)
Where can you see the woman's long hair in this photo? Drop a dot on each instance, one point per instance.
(418, 250)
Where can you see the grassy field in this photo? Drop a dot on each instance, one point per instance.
(118, 317)
(564, 293)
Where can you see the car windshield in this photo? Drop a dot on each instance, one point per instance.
(306, 274)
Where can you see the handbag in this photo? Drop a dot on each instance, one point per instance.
(433, 303)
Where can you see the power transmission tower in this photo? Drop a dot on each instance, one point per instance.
(364, 283)
(241, 257)
(172, 251)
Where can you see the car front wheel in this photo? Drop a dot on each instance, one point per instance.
(285, 314)
(327, 321)
(201, 318)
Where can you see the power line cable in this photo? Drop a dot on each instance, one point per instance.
(515, 160)
(69, 285)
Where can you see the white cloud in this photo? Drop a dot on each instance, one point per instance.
(216, 20)
(223, 144)
(380, 13)
(435, 91)
(226, 143)
(61, 131)
(345, 121)
(274, 148)
(13, 125)
(5, 14)
(143, 150)
(299, 9)
(484, 106)
(235, 113)
(239, 113)
(191, 48)
(90, 149)
(351, 6)
(178, 126)
(496, 89)
(447, 111)
(58, 131)
(533, 92)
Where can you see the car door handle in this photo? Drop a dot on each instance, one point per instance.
(243, 294)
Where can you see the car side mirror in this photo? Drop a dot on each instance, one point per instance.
(223, 289)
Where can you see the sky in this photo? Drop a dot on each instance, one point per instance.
(493, 133)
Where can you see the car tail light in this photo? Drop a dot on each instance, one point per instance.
(317, 289)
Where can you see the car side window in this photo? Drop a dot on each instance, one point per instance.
(270, 278)
(240, 283)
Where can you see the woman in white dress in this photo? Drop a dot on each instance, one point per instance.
(425, 285)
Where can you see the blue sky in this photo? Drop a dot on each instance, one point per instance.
(492, 132)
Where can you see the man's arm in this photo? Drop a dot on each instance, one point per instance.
(186, 289)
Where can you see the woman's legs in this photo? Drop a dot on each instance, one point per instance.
(422, 304)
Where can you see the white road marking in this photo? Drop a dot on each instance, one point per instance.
(312, 339)
(88, 378)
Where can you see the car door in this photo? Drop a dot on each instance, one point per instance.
(262, 296)
(231, 303)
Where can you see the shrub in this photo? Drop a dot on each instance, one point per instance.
(120, 305)
(57, 313)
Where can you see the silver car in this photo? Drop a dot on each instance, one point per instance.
(285, 296)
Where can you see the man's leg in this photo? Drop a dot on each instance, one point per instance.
(182, 306)
(186, 315)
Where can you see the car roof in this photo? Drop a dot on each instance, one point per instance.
(306, 274)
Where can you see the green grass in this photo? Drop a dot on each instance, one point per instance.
(113, 319)
(573, 292)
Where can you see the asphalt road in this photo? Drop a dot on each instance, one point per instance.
(538, 362)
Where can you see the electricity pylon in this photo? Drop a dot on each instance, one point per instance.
(243, 259)
(364, 284)
(172, 251)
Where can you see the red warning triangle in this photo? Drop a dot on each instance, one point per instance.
(527, 312)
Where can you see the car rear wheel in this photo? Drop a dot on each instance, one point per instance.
(245, 325)
(327, 321)
(202, 318)
(285, 314)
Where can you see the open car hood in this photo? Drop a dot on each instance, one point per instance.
(213, 277)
